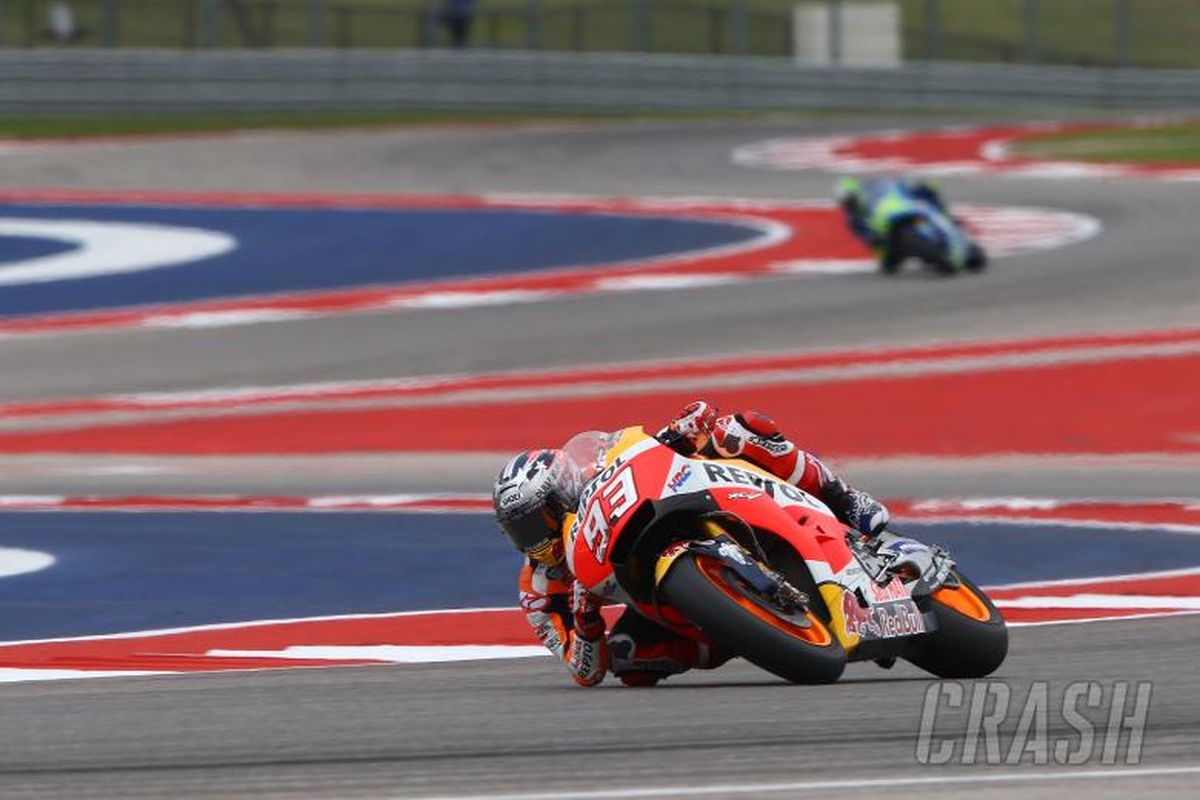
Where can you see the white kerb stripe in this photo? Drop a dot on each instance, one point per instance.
(1102, 601)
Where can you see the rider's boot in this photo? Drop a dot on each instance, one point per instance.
(645, 664)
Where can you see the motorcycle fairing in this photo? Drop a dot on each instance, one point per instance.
(608, 501)
(878, 614)
(639, 469)
(897, 204)
(945, 230)
(861, 609)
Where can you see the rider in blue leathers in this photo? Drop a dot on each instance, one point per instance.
(860, 200)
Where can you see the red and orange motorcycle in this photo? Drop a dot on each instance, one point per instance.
(719, 550)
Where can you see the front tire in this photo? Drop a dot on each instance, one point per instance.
(971, 640)
(796, 646)
(977, 260)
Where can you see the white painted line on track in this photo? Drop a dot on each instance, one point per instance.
(18, 561)
(225, 626)
(1089, 620)
(21, 675)
(1101, 601)
(1067, 522)
(666, 282)
(107, 248)
(23, 500)
(222, 319)
(836, 373)
(394, 654)
(455, 299)
(384, 500)
(825, 266)
(729, 789)
(1126, 576)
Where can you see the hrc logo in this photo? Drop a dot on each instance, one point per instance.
(679, 478)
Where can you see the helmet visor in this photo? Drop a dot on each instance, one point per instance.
(531, 531)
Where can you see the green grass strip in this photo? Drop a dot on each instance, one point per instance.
(1177, 143)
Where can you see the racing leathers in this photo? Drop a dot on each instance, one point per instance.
(567, 619)
(860, 201)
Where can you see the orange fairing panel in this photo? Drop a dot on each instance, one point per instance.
(760, 511)
(964, 601)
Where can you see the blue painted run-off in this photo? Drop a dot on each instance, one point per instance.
(138, 571)
(289, 250)
(19, 248)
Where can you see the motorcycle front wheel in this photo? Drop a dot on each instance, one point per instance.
(977, 259)
(793, 644)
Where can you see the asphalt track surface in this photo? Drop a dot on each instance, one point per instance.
(520, 727)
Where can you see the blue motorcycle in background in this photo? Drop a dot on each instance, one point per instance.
(903, 220)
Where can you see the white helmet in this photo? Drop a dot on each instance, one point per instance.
(532, 494)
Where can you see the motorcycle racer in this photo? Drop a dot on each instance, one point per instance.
(537, 488)
(861, 202)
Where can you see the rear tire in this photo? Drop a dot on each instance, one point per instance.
(965, 645)
(798, 648)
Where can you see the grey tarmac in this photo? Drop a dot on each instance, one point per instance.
(520, 727)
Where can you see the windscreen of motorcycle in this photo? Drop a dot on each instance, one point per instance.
(585, 453)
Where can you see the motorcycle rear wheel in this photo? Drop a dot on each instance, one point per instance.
(796, 645)
(971, 640)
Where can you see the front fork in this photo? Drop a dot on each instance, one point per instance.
(722, 547)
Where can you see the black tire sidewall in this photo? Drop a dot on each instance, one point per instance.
(962, 647)
(731, 627)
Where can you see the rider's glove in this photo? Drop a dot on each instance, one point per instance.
(587, 654)
(854, 507)
(865, 513)
(908, 558)
(585, 611)
(750, 435)
(695, 423)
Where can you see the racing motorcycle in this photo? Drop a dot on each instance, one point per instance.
(721, 551)
(915, 228)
